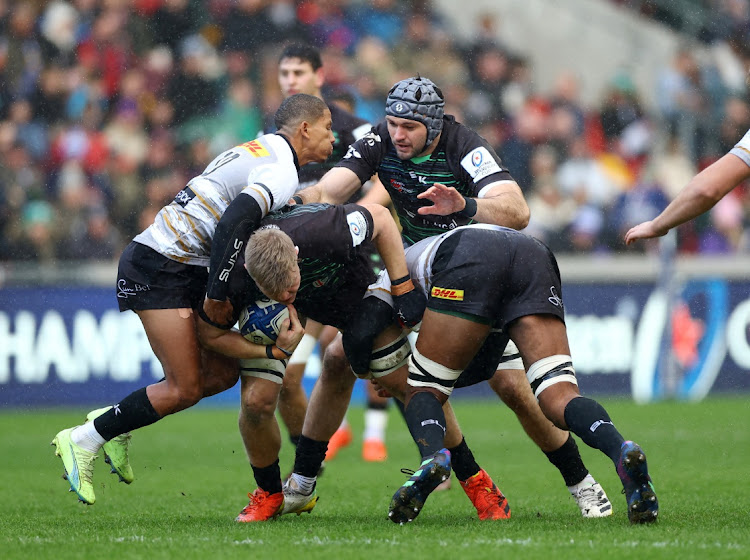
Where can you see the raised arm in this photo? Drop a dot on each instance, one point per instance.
(335, 187)
(409, 302)
(698, 196)
(503, 204)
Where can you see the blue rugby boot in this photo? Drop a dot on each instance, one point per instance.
(643, 507)
(409, 500)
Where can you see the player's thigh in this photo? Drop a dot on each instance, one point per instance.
(450, 340)
(538, 337)
(326, 336)
(173, 338)
(219, 372)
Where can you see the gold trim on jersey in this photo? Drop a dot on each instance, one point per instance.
(255, 148)
(209, 207)
(743, 149)
(177, 235)
(263, 194)
(196, 231)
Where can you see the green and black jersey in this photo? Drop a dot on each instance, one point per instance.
(334, 245)
(463, 160)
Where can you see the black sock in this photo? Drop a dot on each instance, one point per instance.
(131, 413)
(294, 439)
(400, 407)
(309, 456)
(462, 461)
(587, 419)
(426, 421)
(268, 478)
(568, 461)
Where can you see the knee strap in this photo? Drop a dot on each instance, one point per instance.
(424, 372)
(551, 370)
(390, 357)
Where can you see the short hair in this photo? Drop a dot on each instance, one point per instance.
(306, 53)
(297, 108)
(271, 259)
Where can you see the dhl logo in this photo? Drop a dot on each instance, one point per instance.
(447, 293)
(255, 148)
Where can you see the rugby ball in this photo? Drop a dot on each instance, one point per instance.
(261, 321)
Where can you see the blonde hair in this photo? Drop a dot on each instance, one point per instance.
(271, 260)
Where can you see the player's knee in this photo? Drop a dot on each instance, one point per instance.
(389, 358)
(425, 374)
(550, 372)
(513, 390)
(185, 397)
(258, 408)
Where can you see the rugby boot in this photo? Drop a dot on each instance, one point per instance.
(340, 439)
(263, 506)
(409, 500)
(78, 464)
(591, 499)
(116, 451)
(374, 451)
(489, 502)
(295, 501)
(643, 507)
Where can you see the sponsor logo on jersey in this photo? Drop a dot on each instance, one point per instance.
(357, 227)
(479, 164)
(398, 185)
(255, 148)
(554, 299)
(184, 196)
(352, 153)
(447, 293)
(371, 137)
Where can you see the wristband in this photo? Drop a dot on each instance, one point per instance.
(298, 199)
(270, 355)
(402, 287)
(470, 209)
(286, 352)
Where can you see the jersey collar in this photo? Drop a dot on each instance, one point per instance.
(294, 154)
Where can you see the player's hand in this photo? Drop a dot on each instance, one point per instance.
(445, 200)
(219, 312)
(646, 230)
(291, 332)
(409, 303)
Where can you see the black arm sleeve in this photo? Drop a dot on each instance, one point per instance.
(241, 218)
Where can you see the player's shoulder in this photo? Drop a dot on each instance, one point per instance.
(459, 135)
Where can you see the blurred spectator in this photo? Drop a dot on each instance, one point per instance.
(107, 107)
(92, 238)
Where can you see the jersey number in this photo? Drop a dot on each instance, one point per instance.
(219, 161)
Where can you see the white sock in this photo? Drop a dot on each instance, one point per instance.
(585, 483)
(344, 424)
(87, 437)
(303, 483)
(376, 421)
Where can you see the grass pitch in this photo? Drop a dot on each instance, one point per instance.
(192, 478)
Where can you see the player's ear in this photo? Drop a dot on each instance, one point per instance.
(296, 249)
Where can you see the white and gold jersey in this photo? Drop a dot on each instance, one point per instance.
(264, 168)
(742, 148)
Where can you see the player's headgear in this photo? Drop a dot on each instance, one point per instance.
(418, 99)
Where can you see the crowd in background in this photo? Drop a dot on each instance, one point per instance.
(108, 108)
